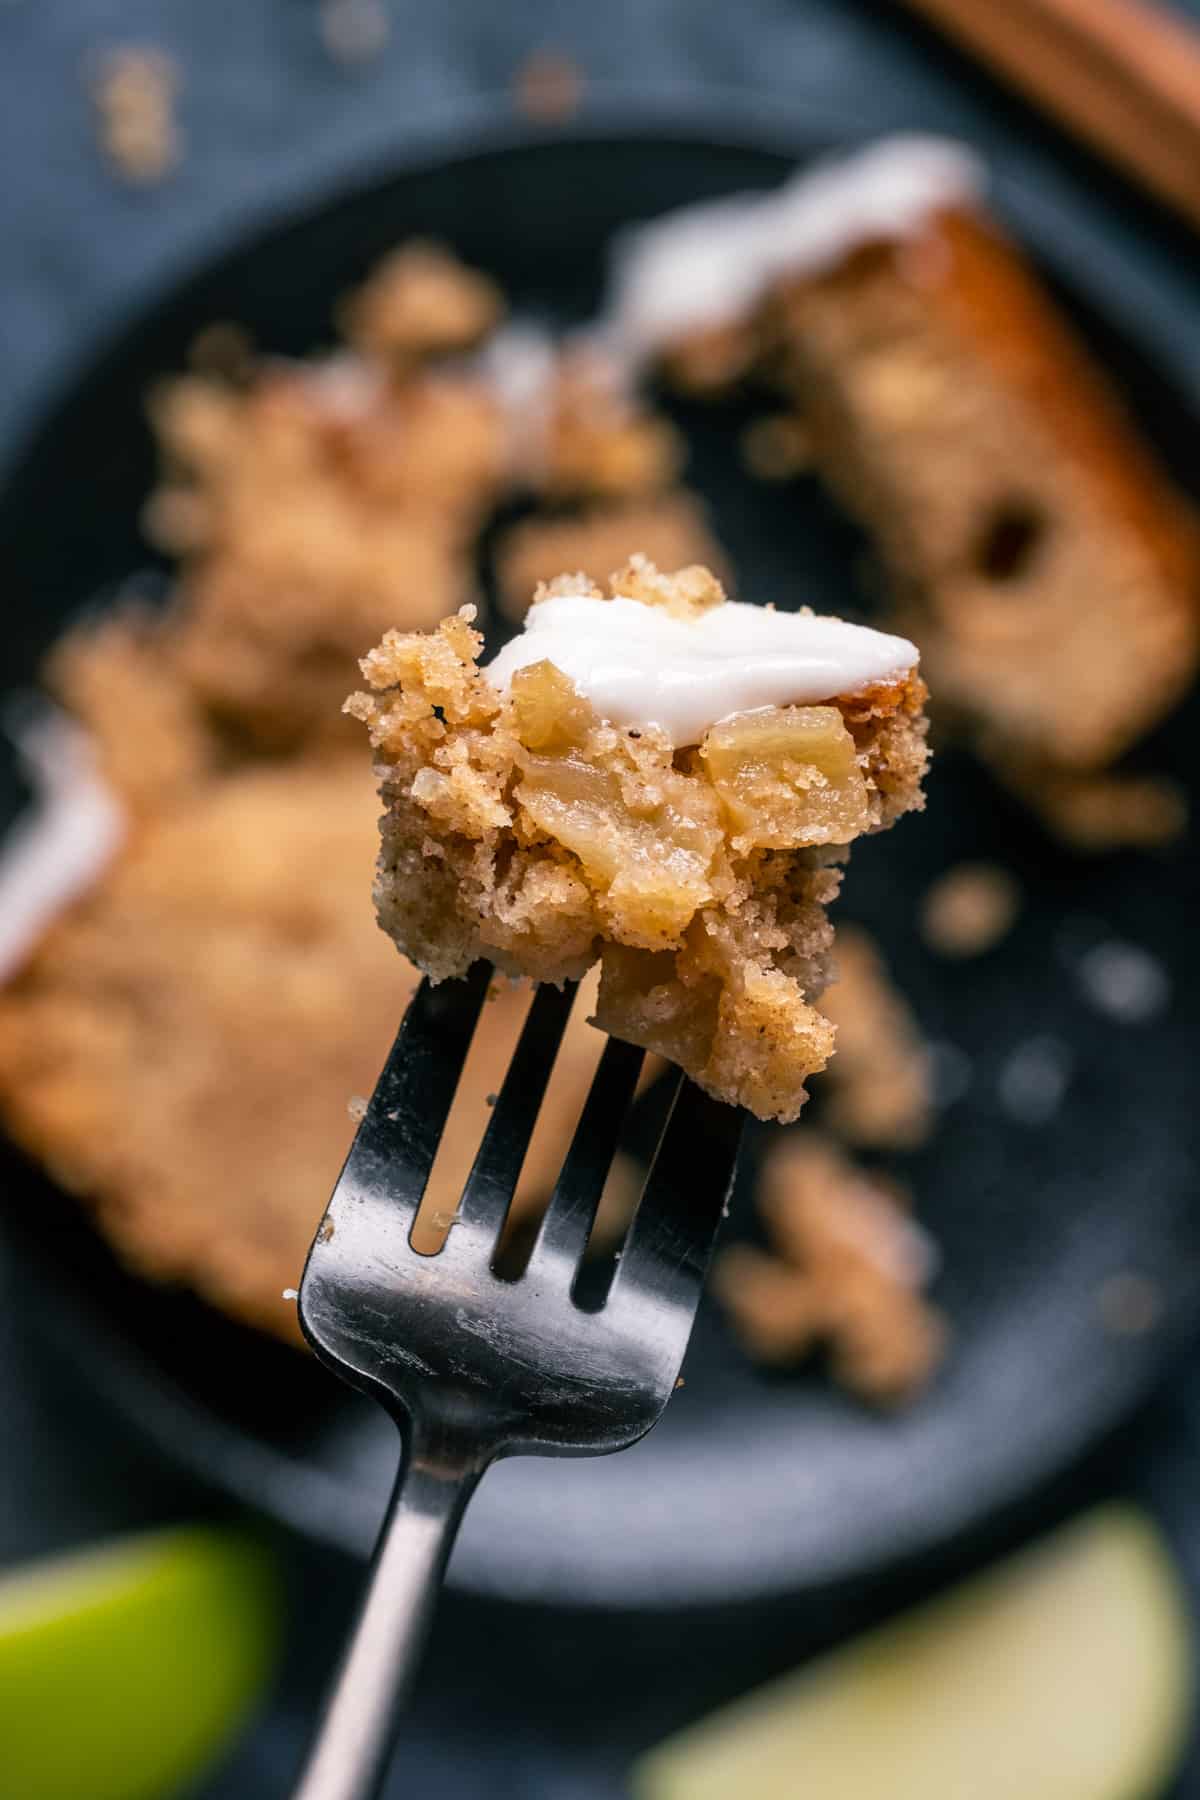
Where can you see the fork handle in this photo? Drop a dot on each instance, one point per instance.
(354, 1739)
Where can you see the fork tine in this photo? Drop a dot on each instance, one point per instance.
(394, 1147)
(497, 1166)
(671, 1237)
(568, 1220)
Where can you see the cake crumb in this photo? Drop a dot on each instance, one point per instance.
(777, 447)
(969, 909)
(354, 32)
(846, 1268)
(223, 350)
(1128, 1304)
(356, 1106)
(877, 1090)
(548, 87)
(418, 302)
(134, 89)
(291, 1293)
(1099, 812)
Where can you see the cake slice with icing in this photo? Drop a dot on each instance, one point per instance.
(661, 780)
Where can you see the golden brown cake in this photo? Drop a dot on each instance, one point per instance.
(1035, 548)
(181, 1053)
(1050, 571)
(528, 826)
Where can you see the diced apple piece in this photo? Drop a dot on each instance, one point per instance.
(654, 863)
(643, 1000)
(551, 714)
(126, 1668)
(788, 776)
(1064, 1673)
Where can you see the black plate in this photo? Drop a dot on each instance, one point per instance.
(751, 1484)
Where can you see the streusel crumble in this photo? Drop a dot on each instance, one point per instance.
(847, 1269)
(877, 1092)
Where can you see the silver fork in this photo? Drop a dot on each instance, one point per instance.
(471, 1366)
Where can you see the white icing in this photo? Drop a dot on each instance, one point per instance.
(707, 265)
(640, 666)
(519, 364)
(57, 850)
(523, 366)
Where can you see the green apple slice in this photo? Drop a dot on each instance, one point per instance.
(125, 1669)
(1065, 1673)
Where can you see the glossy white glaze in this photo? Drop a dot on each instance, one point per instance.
(64, 843)
(708, 265)
(638, 665)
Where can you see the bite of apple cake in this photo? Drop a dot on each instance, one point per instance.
(658, 779)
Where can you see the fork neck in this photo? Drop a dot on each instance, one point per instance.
(438, 1474)
(354, 1740)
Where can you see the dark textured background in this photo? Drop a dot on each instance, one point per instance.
(541, 1708)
